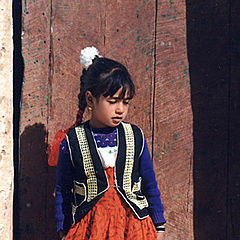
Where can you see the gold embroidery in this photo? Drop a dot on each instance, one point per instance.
(79, 189)
(130, 149)
(87, 163)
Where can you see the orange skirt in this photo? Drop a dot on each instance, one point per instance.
(111, 218)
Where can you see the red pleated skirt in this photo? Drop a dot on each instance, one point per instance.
(111, 218)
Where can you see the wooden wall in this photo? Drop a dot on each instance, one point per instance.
(147, 36)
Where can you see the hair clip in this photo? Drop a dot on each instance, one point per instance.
(87, 56)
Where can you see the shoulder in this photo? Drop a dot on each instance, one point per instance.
(138, 136)
(134, 127)
(72, 131)
(136, 130)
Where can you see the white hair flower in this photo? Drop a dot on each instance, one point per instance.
(87, 56)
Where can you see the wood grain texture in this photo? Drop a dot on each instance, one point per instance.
(173, 146)
(75, 25)
(129, 38)
(36, 203)
(35, 50)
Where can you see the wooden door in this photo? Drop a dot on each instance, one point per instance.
(149, 38)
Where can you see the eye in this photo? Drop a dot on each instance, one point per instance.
(112, 101)
(126, 102)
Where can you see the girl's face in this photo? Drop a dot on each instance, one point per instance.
(108, 111)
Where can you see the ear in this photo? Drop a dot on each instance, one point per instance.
(89, 98)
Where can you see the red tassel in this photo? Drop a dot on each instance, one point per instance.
(53, 149)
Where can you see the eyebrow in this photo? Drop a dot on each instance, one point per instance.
(117, 98)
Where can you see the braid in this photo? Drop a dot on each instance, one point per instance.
(81, 96)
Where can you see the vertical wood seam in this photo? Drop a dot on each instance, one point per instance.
(105, 26)
(154, 76)
(51, 64)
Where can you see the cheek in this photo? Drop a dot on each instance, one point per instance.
(126, 109)
(109, 108)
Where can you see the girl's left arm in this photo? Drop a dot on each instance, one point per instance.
(150, 189)
(64, 184)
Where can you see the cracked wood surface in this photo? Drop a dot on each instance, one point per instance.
(172, 149)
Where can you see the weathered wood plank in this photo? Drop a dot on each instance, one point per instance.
(35, 45)
(129, 38)
(173, 146)
(75, 25)
(34, 194)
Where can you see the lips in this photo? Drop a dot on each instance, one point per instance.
(117, 119)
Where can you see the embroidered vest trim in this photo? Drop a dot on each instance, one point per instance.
(87, 163)
(127, 181)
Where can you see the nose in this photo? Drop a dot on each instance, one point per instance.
(120, 108)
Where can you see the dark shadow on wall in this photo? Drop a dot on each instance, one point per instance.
(36, 185)
(33, 206)
(18, 70)
(212, 36)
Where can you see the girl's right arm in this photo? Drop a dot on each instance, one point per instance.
(64, 184)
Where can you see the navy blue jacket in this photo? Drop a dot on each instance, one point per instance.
(66, 176)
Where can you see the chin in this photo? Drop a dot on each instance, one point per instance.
(115, 124)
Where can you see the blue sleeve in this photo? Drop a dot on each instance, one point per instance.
(64, 184)
(150, 187)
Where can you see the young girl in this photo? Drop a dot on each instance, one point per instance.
(105, 185)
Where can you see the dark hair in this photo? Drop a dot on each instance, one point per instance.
(105, 77)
